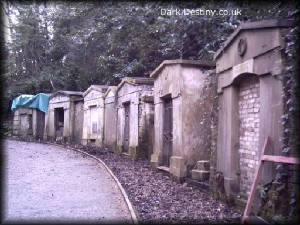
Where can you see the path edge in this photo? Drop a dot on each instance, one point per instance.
(124, 194)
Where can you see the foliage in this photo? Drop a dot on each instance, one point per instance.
(71, 45)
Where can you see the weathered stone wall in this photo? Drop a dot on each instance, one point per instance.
(38, 123)
(58, 101)
(146, 126)
(78, 121)
(23, 122)
(127, 94)
(249, 105)
(16, 122)
(110, 115)
(93, 116)
(253, 50)
(193, 91)
(29, 122)
(131, 94)
(197, 113)
(65, 102)
(167, 83)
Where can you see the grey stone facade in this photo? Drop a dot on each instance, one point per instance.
(135, 117)
(248, 67)
(93, 119)
(110, 121)
(184, 92)
(64, 120)
(29, 122)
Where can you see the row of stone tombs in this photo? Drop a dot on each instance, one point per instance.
(191, 118)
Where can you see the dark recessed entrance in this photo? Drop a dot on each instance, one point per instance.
(127, 127)
(59, 121)
(167, 131)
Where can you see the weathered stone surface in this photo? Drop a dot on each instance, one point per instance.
(203, 165)
(110, 118)
(134, 129)
(201, 175)
(29, 122)
(93, 121)
(250, 102)
(177, 166)
(63, 112)
(191, 88)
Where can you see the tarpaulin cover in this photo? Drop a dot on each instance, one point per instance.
(39, 101)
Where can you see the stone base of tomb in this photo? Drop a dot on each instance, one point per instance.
(154, 162)
(178, 168)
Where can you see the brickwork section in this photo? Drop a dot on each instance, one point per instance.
(249, 105)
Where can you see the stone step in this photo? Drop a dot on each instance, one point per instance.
(201, 175)
(164, 168)
(203, 185)
(125, 154)
(203, 165)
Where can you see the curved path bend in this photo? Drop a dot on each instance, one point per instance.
(49, 183)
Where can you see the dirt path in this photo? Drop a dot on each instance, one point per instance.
(49, 183)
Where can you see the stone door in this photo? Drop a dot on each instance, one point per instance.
(94, 120)
(167, 132)
(127, 127)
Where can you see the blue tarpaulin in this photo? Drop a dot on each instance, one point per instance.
(39, 101)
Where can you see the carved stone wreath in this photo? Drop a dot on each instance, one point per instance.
(242, 46)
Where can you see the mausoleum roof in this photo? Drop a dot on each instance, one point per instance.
(262, 24)
(136, 81)
(100, 88)
(110, 88)
(200, 63)
(67, 93)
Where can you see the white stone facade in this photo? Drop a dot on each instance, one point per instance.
(93, 119)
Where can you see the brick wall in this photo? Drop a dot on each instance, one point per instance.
(249, 105)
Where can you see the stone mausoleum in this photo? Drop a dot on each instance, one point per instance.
(29, 115)
(93, 117)
(64, 119)
(135, 117)
(110, 115)
(184, 95)
(248, 67)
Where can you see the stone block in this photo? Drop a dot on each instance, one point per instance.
(133, 152)
(177, 167)
(201, 175)
(119, 149)
(203, 165)
(154, 162)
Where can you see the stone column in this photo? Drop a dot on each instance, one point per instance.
(271, 111)
(120, 127)
(134, 127)
(228, 140)
(85, 125)
(101, 123)
(156, 157)
(51, 123)
(34, 123)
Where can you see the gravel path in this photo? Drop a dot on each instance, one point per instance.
(49, 183)
(157, 198)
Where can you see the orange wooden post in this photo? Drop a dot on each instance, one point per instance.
(270, 158)
(254, 184)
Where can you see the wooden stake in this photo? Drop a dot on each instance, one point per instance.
(270, 158)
